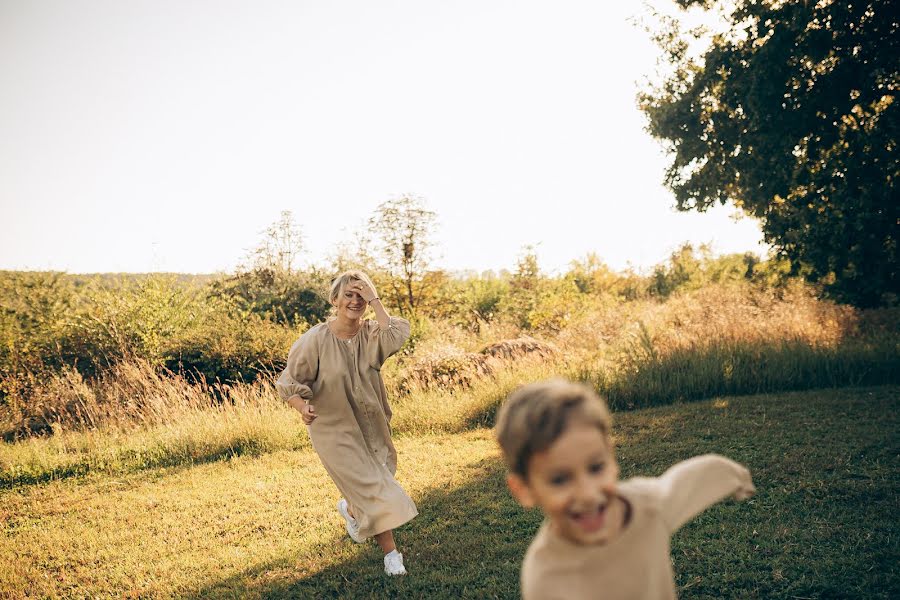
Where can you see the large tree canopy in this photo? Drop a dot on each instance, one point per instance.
(791, 113)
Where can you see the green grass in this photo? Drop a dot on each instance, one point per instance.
(262, 524)
(739, 368)
(196, 436)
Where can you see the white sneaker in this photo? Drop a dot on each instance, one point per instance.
(352, 525)
(393, 563)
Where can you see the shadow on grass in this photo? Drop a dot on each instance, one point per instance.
(467, 542)
(134, 462)
(821, 525)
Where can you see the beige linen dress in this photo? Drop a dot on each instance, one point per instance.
(351, 434)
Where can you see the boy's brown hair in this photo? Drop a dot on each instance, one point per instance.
(536, 415)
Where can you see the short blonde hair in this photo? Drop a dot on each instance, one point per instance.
(536, 415)
(342, 280)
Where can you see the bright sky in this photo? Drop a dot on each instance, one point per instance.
(166, 135)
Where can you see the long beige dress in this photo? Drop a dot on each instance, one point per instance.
(351, 435)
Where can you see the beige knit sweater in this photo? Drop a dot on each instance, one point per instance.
(636, 564)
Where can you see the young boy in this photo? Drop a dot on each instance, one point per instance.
(601, 538)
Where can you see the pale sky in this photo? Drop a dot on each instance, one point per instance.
(167, 135)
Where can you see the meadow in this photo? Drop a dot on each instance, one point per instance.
(262, 524)
(145, 453)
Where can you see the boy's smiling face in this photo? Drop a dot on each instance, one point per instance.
(574, 482)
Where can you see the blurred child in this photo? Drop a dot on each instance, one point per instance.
(602, 538)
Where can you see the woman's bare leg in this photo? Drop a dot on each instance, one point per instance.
(385, 539)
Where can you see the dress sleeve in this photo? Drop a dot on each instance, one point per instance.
(385, 342)
(692, 486)
(301, 370)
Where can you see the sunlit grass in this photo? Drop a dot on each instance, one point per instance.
(202, 434)
(826, 464)
(452, 409)
(197, 436)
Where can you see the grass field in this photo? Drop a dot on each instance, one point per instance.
(823, 525)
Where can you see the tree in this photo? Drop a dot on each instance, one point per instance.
(592, 276)
(525, 287)
(402, 228)
(791, 113)
(271, 285)
(280, 246)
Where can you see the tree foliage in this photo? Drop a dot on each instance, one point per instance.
(402, 229)
(271, 286)
(691, 269)
(791, 113)
(280, 246)
(296, 299)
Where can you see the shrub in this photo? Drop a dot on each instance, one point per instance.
(228, 346)
(34, 308)
(290, 298)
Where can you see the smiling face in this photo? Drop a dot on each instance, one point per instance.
(349, 304)
(573, 482)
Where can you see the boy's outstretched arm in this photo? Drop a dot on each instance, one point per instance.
(691, 486)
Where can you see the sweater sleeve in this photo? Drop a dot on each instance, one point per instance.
(692, 486)
(301, 370)
(385, 342)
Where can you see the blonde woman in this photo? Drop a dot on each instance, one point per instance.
(333, 378)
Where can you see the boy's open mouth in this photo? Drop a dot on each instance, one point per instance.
(590, 521)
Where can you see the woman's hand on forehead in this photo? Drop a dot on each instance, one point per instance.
(363, 289)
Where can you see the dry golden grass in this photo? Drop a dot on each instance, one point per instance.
(129, 395)
(455, 368)
(716, 313)
(719, 340)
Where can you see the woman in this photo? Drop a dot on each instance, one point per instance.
(333, 377)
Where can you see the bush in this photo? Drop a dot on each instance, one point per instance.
(50, 328)
(290, 298)
(34, 309)
(228, 347)
(134, 319)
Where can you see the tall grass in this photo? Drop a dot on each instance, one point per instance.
(453, 409)
(137, 417)
(719, 340)
(129, 394)
(731, 368)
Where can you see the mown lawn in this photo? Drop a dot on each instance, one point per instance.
(824, 523)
